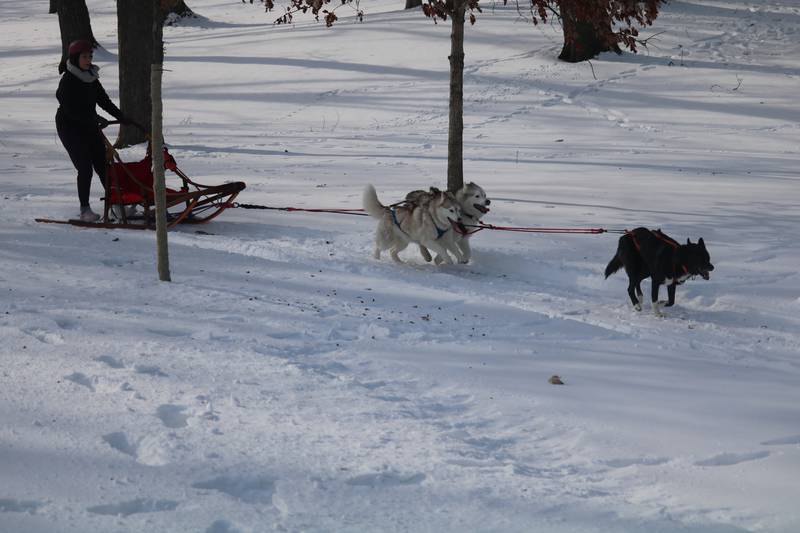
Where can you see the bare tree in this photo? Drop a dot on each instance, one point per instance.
(456, 10)
(134, 20)
(73, 23)
(157, 139)
(455, 132)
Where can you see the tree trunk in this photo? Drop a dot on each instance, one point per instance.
(410, 4)
(74, 23)
(134, 23)
(53, 7)
(455, 134)
(156, 69)
(582, 39)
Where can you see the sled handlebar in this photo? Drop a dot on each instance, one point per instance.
(107, 123)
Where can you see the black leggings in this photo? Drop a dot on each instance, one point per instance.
(87, 150)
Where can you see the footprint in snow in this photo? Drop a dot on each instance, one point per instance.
(119, 441)
(246, 488)
(793, 439)
(150, 370)
(169, 332)
(81, 379)
(385, 479)
(117, 263)
(151, 450)
(44, 336)
(728, 459)
(110, 361)
(9, 505)
(391, 398)
(486, 446)
(371, 385)
(331, 369)
(639, 461)
(172, 416)
(139, 505)
(222, 526)
(66, 323)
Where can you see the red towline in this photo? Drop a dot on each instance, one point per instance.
(478, 227)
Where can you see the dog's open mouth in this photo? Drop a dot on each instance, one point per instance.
(481, 208)
(704, 274)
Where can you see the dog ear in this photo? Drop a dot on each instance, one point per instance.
(701, 243)
(688, 241)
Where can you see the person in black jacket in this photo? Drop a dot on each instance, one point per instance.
(78, 123)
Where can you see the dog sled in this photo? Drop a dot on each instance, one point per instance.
(129, 201)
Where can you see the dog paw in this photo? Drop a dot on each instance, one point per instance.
(443, 259)
(638, 306)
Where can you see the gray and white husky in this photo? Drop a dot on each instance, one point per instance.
(472, 200)
(429, 224)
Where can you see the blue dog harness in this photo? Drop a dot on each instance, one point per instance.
(439, 232)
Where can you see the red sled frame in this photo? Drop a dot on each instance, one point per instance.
(131, 184)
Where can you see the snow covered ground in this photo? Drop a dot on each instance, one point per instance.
(287, 381)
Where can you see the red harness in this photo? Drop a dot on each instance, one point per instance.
(660, 236)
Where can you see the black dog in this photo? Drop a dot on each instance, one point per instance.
(652, 254)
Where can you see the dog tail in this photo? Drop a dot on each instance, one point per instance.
(371, 204)
(613, 265)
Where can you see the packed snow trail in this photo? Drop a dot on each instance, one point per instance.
(286, 381)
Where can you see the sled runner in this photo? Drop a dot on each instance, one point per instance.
(130, 198)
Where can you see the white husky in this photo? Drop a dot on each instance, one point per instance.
(428, 224)
(472, 200)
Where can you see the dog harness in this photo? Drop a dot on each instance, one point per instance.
(439, 232)
(461, 228)
(661, 237)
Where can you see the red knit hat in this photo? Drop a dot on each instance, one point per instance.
(80, 46)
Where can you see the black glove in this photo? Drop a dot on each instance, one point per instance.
(102, 122)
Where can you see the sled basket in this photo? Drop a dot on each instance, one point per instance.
(131, 184)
